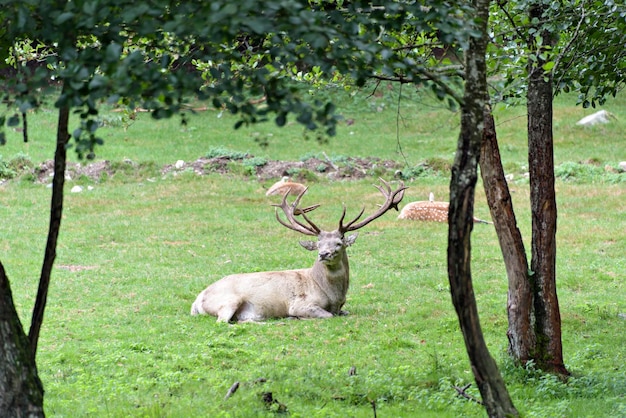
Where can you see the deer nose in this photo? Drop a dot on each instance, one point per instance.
(325, 255)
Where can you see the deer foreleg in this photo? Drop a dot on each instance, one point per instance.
(310, 311)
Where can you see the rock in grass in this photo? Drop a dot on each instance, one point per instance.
(601, 116)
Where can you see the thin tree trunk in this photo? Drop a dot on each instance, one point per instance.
(56, 212)
(549, 351)
(462, 187)
(520, 296)
(21, 391)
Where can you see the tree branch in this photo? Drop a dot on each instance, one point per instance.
(511, 20)
(568, 46)
(461, 392)
(435, 78)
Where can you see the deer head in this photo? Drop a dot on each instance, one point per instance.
(330, 243)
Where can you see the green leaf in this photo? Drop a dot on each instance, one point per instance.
(548, 65)
(14, 120)
(97, 82)
(113, 52)
(63, 17)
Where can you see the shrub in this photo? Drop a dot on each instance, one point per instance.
(6, 172)
(17, 165)
(439, 164)
(575, 171)
(254, 162)
(220, 152)
(408, 173)
(21, 162)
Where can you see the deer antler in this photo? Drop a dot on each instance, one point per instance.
(393, 198)
(292, 210)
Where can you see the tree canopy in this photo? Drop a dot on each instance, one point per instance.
(588, 56)
(146, 53)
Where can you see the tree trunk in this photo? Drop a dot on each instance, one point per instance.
(21, 391)
(462, 187)
(520, 297)
(56, 212)
(548, 353)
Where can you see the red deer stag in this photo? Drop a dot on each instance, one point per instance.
(316, 292)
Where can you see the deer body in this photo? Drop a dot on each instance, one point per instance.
(316, 292)
(429, 211)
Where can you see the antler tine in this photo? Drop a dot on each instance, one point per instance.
(292, 210)
(345, 228)
(398, 195)
(393, 198)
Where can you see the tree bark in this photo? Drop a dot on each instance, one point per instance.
(21, 391)
(548, 353)
(56, 212)
(520, 296)
(462, 187)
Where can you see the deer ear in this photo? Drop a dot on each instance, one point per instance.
(350, 239)
(309, 245)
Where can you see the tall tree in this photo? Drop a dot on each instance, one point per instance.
(533, 311)
(22, 391)
(548, 351)
(578, 44)
(462, 188)
(520, 295)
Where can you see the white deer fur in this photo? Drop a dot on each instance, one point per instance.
(316, 292)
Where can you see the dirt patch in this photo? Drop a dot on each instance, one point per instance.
(349, 168)
(73, 171)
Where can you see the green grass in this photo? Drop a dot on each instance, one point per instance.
(118, 339)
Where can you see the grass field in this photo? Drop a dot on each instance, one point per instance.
(118, 340)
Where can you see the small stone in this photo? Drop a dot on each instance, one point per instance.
(76, 189)
(601, 116)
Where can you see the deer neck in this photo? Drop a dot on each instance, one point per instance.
(333, 277)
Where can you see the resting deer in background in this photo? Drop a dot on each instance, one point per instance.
(429, 211)
(285, 187)
(316, 292)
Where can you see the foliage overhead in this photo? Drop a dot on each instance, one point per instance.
(155, 54)
(589, 57)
